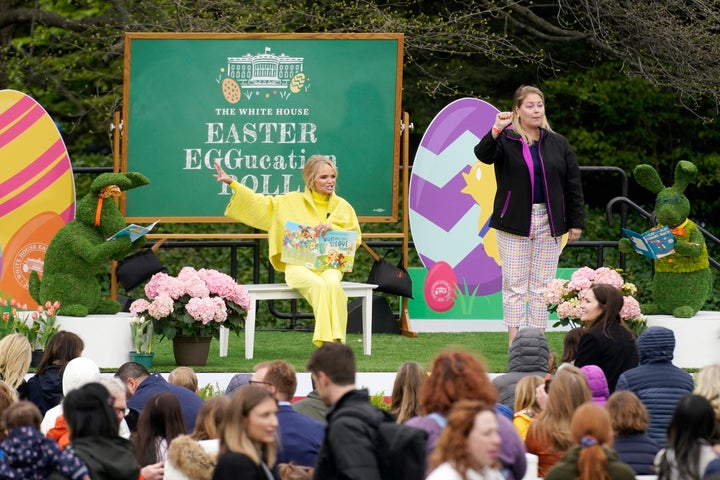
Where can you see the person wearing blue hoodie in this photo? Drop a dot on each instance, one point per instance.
(656, 381)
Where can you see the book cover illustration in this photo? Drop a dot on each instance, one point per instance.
(655, 243)
(302, 246)
(134, 231)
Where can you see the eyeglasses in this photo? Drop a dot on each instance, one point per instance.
(257, 382)
(122, 411)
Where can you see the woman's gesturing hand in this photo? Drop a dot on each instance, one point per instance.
(221, 176)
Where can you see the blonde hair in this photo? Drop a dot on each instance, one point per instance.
(184, 377)
(525, 394)
(569, 390)
(405, 399)
(15, 357)
(708, 386)
(233, 432)
(518, 98)
(210, 417)
(312, 169)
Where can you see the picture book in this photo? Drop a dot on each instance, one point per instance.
(134, 231)
(302, 246)
(655, 243)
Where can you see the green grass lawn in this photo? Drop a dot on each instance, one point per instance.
(388, 350)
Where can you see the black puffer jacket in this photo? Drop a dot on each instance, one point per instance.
(513, 173)
(348, 450)
(528, 355)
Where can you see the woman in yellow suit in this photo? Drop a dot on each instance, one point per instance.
(318, 206)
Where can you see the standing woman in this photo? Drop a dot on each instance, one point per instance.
(247, 437)
(539, 198)
(318, 206)
(607, 343)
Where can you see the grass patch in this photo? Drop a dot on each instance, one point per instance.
(388, 350)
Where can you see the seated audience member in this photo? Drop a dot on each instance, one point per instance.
(688, 450)
(78, 372)
(526, 403)
(15, 357)
(552, 363)
(193, 457)
(8, 396)
(248, 435)
(597, 383)
(141, 385)
(300, 436)
(45, 387)
(468, 446)
(312, 406)
(119, 404)
(184, 377)
(630, 421)
(159, 423)
(456, 376)
(708, 385)
(237, 381)
(607, 343)
(27, 454)
(404, 401)
(656, 381)
(549, 436)
(591, 457)
(528, 355)
(571, 340)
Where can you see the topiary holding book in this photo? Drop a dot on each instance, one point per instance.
(682, 280)
(80, 249)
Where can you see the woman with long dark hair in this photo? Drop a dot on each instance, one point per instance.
(160, 421)
(608, 343)
(688, 449)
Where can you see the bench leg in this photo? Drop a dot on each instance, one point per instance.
(367, 321)
(224, 338)
(250, 329)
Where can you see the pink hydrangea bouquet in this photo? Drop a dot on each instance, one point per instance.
(195, 303)
(563, 297)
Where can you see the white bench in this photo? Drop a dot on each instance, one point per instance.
(281, 291)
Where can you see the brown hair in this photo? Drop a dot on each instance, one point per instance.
(452, 445)
(611, 301)
(629, 415)
(61, 348)
(335, 360)
(571, 340)
(161, 417)
(312, 168)
(456, 376)
(210, 417)
(569, 390)
(281, 375)
(591, 429)
(404, 401)
(525, 394)
(184, 377)
(518, 98)
(233, 435)
(8, 396)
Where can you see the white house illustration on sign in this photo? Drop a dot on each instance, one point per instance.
(264, 70)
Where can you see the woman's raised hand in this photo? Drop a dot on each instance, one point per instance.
(221, 176)
(503, 119)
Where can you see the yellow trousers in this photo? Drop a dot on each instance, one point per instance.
(323, 292)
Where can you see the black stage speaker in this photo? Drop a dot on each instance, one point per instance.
(383, 318)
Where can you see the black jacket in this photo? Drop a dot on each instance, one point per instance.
(45, 389)
(513, 165)
(348, 450)
(614, 354)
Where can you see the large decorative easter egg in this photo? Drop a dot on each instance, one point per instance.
(37, 190)
(451, 198)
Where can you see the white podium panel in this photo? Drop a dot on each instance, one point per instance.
(107, 338)
(697, 339)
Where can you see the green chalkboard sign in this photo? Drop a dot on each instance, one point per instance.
(261, 104)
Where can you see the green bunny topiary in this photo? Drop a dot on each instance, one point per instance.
(682, 280)
(79, 250)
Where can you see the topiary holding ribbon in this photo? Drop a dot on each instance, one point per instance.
(80, 250)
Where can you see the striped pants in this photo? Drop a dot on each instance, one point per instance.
(528, 265)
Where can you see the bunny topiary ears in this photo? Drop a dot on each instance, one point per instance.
(124, 181)
(647, 176)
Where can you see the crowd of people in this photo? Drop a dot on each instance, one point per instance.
(138, 425)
